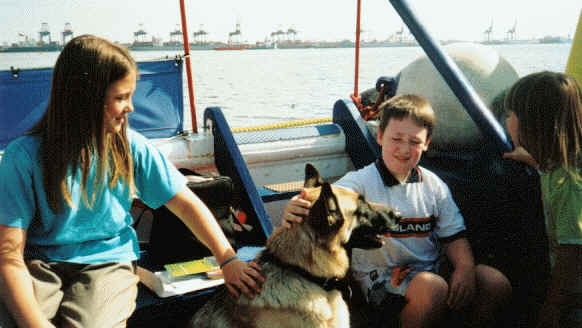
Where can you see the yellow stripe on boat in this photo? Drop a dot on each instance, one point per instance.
(574, 66)
(282, 125)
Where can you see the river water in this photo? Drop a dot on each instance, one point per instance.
(256, 87)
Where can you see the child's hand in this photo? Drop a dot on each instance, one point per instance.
(294, 210)
(242, 276)
(519, 154)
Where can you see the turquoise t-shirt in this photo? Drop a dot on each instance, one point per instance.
(562, 191)
(85, 235)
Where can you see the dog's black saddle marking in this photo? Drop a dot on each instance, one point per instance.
(328, 284)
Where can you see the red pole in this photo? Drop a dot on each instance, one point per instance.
(357, 49)
(188, 67)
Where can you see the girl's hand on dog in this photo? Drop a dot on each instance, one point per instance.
(242, 276)
(295, 209)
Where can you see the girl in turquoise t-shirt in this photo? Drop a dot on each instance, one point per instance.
(545, 124)
(67, 247)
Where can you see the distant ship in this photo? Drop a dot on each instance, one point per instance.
(555, 39)
(238, 47)
(30, 45)
(511, 39)
(32, 48)
(141, 42)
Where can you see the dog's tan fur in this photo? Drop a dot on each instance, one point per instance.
(287, 298)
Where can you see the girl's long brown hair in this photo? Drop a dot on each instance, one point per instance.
(72, 129)
(548, 107)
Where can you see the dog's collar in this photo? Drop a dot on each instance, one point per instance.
(334, 283)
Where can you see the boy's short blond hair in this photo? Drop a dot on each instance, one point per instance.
(407, 105)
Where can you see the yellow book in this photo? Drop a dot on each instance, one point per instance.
(192, 267)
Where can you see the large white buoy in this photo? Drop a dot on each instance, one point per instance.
(488, 72)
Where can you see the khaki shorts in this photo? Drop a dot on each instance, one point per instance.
(82, 295)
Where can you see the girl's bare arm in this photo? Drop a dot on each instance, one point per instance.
(16, 288)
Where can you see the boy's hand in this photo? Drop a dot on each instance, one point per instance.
(462, 287)
(295, 209)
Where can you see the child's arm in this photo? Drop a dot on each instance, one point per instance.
(16, 290)
(198, 218)
(462, 282)
(566, 273)
(519, 154)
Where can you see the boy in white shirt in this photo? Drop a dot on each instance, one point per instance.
(408, 263)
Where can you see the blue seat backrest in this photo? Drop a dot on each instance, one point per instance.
(229, 161)
(158, 100)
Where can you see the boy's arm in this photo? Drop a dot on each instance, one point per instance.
(16, 290)
(462, 281)
(566, 273)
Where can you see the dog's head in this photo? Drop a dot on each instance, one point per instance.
(341, 215)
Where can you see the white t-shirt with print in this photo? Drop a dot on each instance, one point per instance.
(426, 204)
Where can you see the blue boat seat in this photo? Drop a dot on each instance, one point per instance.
(158, 100)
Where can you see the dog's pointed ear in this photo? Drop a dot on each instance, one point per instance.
(329, 197)
(312, 176)
(325, 215)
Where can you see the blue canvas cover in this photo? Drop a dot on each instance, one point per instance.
(158, 100)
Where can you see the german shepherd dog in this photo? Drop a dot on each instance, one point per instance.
(305, 266)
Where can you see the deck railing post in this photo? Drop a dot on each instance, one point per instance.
(188, 67)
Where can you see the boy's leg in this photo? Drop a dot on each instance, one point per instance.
(426, 298)
(493, 293)
(99, 295)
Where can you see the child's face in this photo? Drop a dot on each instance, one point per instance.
(512, 125)
(118, 103)
(403, 142)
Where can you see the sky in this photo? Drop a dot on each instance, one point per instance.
(312, 19)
